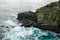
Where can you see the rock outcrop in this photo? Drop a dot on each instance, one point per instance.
(49, 17)
(27, 18)
(46, 18)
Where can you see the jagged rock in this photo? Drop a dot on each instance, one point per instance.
(49, 17)
(27, 15)
(46, 18)
(27, 18)
(27, 23)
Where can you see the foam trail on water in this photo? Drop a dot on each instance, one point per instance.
(15, 32)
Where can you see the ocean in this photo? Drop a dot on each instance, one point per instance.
(11, 29)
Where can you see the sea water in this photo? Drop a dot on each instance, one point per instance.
(12, 30)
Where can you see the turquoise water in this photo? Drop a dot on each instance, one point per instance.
(13, 31)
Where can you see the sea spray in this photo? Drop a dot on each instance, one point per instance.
(16, 32)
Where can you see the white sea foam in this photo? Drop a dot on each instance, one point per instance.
(16, 32)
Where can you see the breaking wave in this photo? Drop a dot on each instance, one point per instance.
(11, 30)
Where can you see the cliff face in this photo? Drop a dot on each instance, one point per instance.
(27, 15)
(27, 18)
(49, 16)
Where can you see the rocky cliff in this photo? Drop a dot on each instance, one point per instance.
(49, 17)
(27, 18)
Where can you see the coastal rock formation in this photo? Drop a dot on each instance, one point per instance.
(27, 18)
(46, 18)
(49, 17)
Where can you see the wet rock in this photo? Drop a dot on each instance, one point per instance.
(46, 18)
(27, 23)
(49, 17)
(27, 18)
(27, 15)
